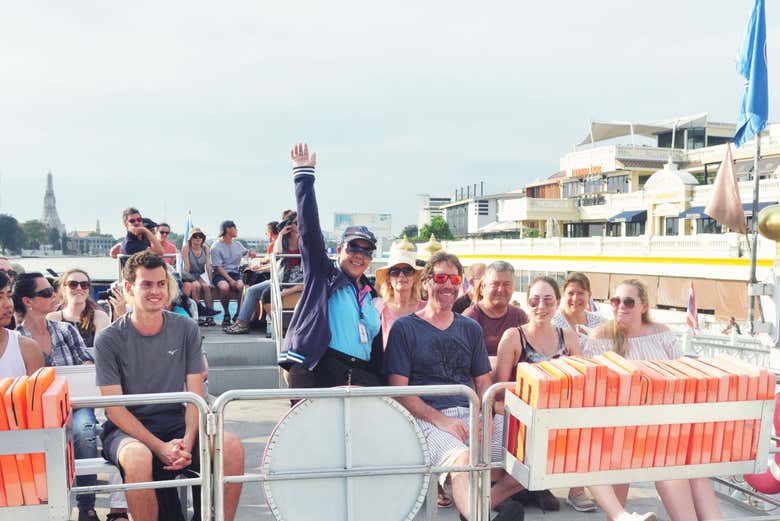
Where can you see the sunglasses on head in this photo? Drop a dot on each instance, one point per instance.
(441, 278)
(547, 300)
(44, 293)
(198, 236)
(359, 250)
(395, 271)
(628, 302)
(73, 284)
(137, 220)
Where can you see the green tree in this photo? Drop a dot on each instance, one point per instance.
(410, 231)
(55, 239)
(439, 227)
(10, 234)
(35, 234)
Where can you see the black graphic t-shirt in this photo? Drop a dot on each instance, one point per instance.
(430, 356)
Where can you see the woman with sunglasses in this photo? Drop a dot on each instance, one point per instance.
(78, 308)
(535, 342)
(633, 335)
(400, 286)
(196, 261)
(61, 344)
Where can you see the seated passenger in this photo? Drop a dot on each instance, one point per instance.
(197, 275)
(286, 242)
(492, 310)
(78, 308)
(474, 276)
(163, 232)
(400, 286)
(573, 313)
(226, 255)
(635, 336)
(435, 346)
(139, 237)
(61, 344)
(151, 350)
(19, 355)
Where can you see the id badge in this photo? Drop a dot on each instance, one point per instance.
(363, 333)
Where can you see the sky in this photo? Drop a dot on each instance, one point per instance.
(193, 106)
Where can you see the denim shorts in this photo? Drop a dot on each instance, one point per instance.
(233, 275)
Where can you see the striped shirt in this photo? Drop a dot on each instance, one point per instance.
(663, 345)
(67, 346)
(593, 319)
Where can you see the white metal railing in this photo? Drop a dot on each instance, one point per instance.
(277, 309)
(122, 257)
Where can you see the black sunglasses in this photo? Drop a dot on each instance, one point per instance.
(44, 293)
(628, 302)
(395, 271)
(10, 273)
(73, 284)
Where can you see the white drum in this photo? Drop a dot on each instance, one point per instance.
(337, 434)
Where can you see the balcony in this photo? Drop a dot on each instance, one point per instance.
(531, 209)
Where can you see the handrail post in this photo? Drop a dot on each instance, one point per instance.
(488, 399)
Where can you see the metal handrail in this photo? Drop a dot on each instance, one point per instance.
(204, 481)
(344, 393)
(124, 256)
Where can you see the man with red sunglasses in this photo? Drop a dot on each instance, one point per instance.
(330, 341)
(435, 346)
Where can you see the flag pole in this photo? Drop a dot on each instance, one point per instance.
(754, 299)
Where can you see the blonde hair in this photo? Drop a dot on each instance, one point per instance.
(616, 334)
(388, 293)
(86, 320)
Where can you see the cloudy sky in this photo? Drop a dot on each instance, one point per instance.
(176, 106)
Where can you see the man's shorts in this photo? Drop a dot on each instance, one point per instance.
(233, 275)
(167, 498)
(445, 448)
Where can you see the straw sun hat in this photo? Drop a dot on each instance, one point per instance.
(401, 253)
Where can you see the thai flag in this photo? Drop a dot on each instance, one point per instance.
(692, 316)
(184, 239)
(464, 286)
(592, 306)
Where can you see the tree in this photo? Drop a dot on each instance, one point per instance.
(439, 227)
(410, 231)
(10, 233)
(35, 234)
(54, 238)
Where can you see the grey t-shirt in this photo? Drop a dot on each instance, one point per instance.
(429, 356)
(228, 256)
(150, 364)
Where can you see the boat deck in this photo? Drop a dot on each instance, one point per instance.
(253, 422)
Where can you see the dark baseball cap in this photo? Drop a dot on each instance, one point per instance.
(149, 224)
(359, 232)
(224, 226)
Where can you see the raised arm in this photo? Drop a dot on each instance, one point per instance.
(313, 253)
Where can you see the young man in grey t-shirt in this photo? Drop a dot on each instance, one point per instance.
(154, 351)
(226, 254)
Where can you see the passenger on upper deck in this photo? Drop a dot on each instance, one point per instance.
(163, 231)
(573, 312)
(139, 237)
(400, 285)
(196, 261)
(475, 273)
(286, 242)
(493, 312)
(226, 255)
(633, 335)
(435, 346)
(329, 341)
(19, 355)
(150, 350)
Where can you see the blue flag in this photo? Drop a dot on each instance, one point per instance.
(751, 64)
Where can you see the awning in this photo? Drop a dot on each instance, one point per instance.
(630, 216)
(694, 212)
(602, 130)
(697, 212)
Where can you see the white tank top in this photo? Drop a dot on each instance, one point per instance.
(12, 363)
